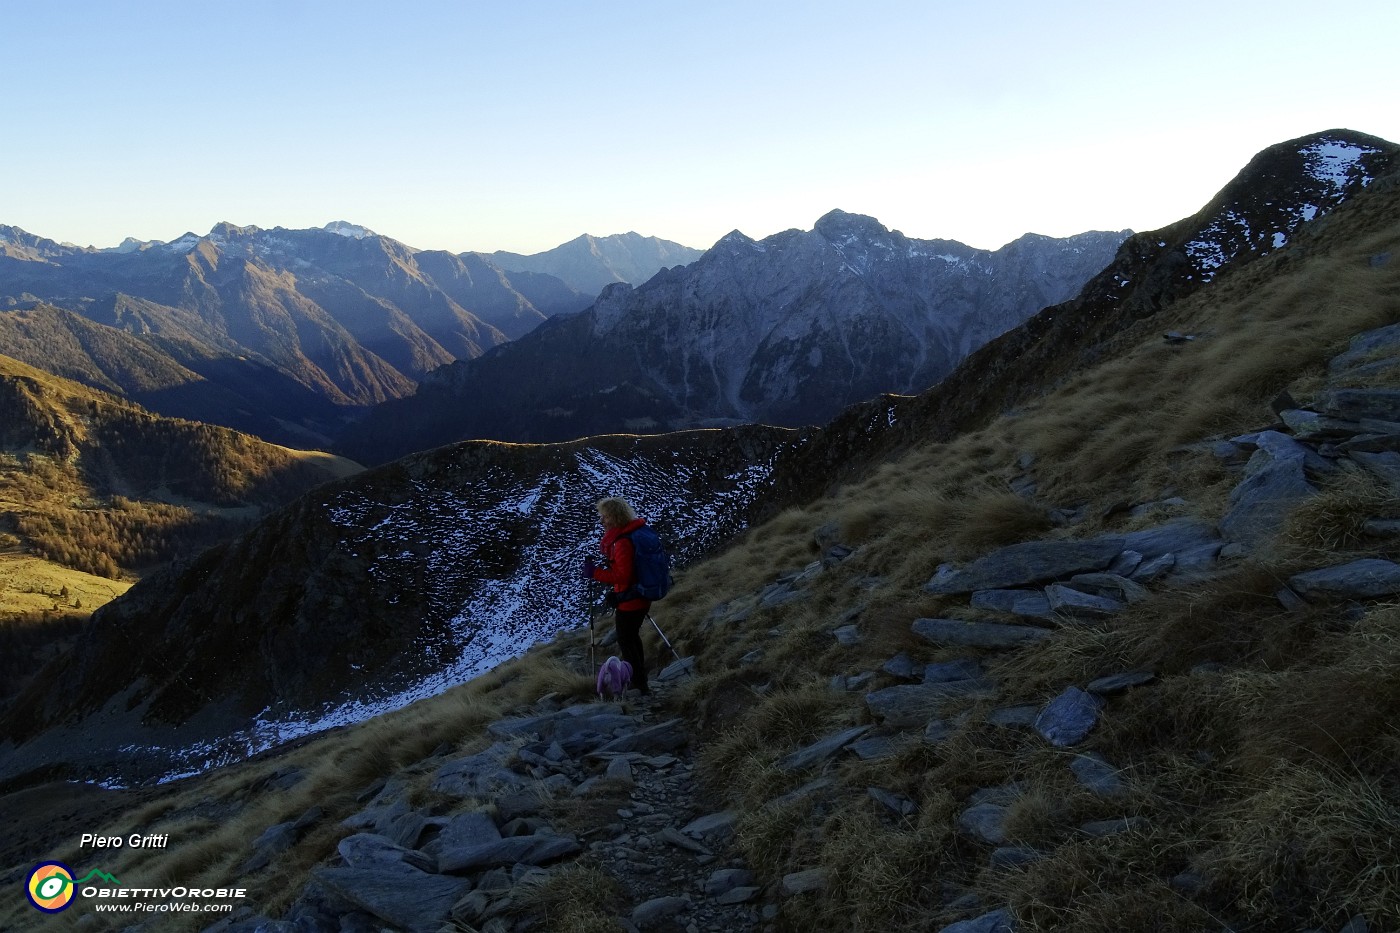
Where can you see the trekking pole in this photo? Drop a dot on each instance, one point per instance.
(592, 641)
(663, 637)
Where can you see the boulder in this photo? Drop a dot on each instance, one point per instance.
(1262, 501)
(1069, 717)
(479, 775)
(977, 634)
(1368, 578)
(469, 830)
(1026, 564)
(414, 900)
(366, 850)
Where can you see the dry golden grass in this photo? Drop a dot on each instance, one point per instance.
(577, 898)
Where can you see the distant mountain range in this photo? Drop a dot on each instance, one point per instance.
(286, 333)
(590, 264)
(787, 330)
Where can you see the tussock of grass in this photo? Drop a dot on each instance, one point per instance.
(576, 897)
(879, 876)
(1304, 842)
(1332, 520)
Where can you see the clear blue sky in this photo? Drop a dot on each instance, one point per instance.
(519, 125)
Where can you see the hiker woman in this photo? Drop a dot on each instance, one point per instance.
(619, 521)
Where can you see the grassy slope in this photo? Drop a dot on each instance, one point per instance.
(1257, 778)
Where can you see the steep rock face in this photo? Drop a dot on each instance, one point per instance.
(590, 264)
(343, 314)
(786, 330)
(367, 594)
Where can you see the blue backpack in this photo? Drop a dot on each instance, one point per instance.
(651, 565)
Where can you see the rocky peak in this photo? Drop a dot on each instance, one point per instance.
(842, 229)
(347, 229)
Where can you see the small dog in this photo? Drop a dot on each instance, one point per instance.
(614, 677)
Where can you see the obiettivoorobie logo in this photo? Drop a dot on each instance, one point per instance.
(51, 885)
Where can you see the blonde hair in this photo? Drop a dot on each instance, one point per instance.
(616, 511)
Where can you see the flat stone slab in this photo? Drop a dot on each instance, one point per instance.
(1369, 578)
(650, 914)
(910, 705)
(822, 749)
(942, 672)
(663, 737)
(1118, 683)
(903, 666)
(727, 879)
(986, 821)
(1027, 604)
(1066, 600)
(1359, 404)
(1014, 716)
(1111, 585)
(804, 882)
(414, 901)
(978, 634)
(878, 746)
(710, 824)
(1025, 564)
(1171, 537)
(539, 849)
(1069, 717)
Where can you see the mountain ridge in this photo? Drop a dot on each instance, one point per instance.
(351, 319)
(787, 330)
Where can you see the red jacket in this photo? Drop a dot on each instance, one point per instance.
(618, 551)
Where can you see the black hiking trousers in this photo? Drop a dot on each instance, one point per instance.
(629, 641)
